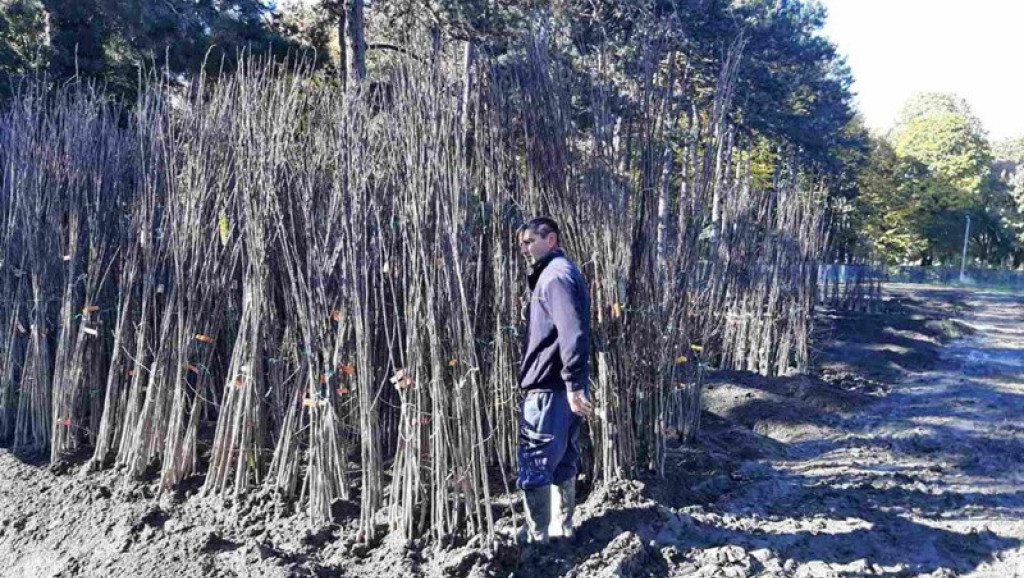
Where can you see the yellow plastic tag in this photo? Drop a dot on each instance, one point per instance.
(223, 226)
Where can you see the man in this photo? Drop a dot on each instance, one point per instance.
(554, 377)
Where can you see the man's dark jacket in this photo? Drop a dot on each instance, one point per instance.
(557, 346)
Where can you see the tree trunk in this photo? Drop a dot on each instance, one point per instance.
(669, 110)
(468, 78)
(355, 51)
(435, 46)
(342, 14)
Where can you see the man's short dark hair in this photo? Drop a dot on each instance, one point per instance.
(542, 227)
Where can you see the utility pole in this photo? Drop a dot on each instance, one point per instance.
(963, 258)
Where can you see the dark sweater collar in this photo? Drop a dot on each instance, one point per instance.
(542, 264)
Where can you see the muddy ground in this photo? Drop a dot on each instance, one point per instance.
(902, 455)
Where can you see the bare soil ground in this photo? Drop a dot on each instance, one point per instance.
(902, 455)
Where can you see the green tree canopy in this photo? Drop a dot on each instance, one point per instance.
(934, 169)
(23, 43)
(924, 104)
(940, 133)
(949, 143)
(108, 40)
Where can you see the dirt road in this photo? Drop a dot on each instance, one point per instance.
(929, 479)
(932, 473)
(925, 481)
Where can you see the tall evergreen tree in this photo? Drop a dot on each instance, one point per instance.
(23, 40)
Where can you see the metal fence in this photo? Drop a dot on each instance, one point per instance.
(851, 287)
(973, 276)
(858, 287)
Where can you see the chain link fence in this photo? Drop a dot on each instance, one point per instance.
(859, 287)
(972, 276)
(851, 287)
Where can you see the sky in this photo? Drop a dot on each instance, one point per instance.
(896, 48)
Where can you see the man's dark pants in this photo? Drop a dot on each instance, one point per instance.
(549, 432)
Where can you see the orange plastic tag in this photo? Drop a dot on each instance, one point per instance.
(400, 380)
(335, 315)
(203, 338)
(348, 369)
(452, 363)
(91, 309)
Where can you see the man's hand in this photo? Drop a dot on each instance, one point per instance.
(579, 404)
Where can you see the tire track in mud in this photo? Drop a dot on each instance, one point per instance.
(928, 481)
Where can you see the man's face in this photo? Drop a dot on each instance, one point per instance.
(534, 247)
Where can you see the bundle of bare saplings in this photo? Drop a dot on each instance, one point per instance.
(275, 283)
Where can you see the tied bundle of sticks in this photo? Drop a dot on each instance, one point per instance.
(286, 286)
